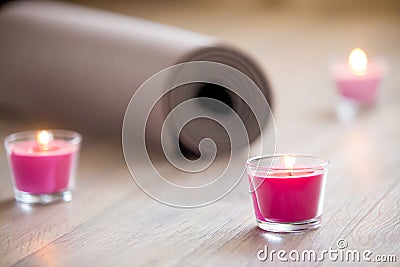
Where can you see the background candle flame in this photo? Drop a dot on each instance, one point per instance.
(44, 137)
(358, 61)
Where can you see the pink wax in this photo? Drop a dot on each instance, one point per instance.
(361, 88)
(281, 197)
(257, 211)
(39, 171)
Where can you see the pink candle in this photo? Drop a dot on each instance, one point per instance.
(43, 168)
(287, 196)
(358, 79)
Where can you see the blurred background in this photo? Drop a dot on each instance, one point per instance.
(283, 34)
(293, 40)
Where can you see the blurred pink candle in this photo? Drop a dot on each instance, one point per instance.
(358, 79)
(39, 169)
(43, 166)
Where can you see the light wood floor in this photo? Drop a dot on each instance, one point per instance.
(111, 222)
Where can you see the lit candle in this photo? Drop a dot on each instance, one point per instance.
(43, 164)
(358, 62)
(358, 79)
(287, 191)
(289, 162)
(44, 138)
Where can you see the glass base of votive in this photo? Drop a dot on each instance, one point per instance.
(29, 198)
(289, 227)
(348, 109)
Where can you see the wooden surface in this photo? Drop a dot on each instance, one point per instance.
(111, 222)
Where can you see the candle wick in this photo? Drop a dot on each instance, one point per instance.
(45, 147)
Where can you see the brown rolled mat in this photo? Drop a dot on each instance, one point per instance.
(78, 67)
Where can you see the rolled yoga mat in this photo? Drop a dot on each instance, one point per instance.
(73, 66)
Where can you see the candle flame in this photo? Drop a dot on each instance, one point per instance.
(44, 137)
(358, 61)
(289, 162)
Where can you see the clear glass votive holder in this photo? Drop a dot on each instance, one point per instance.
(287, 191)
(43, 164)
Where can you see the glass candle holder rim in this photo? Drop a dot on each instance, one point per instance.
(250, 162)
(71, 137)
